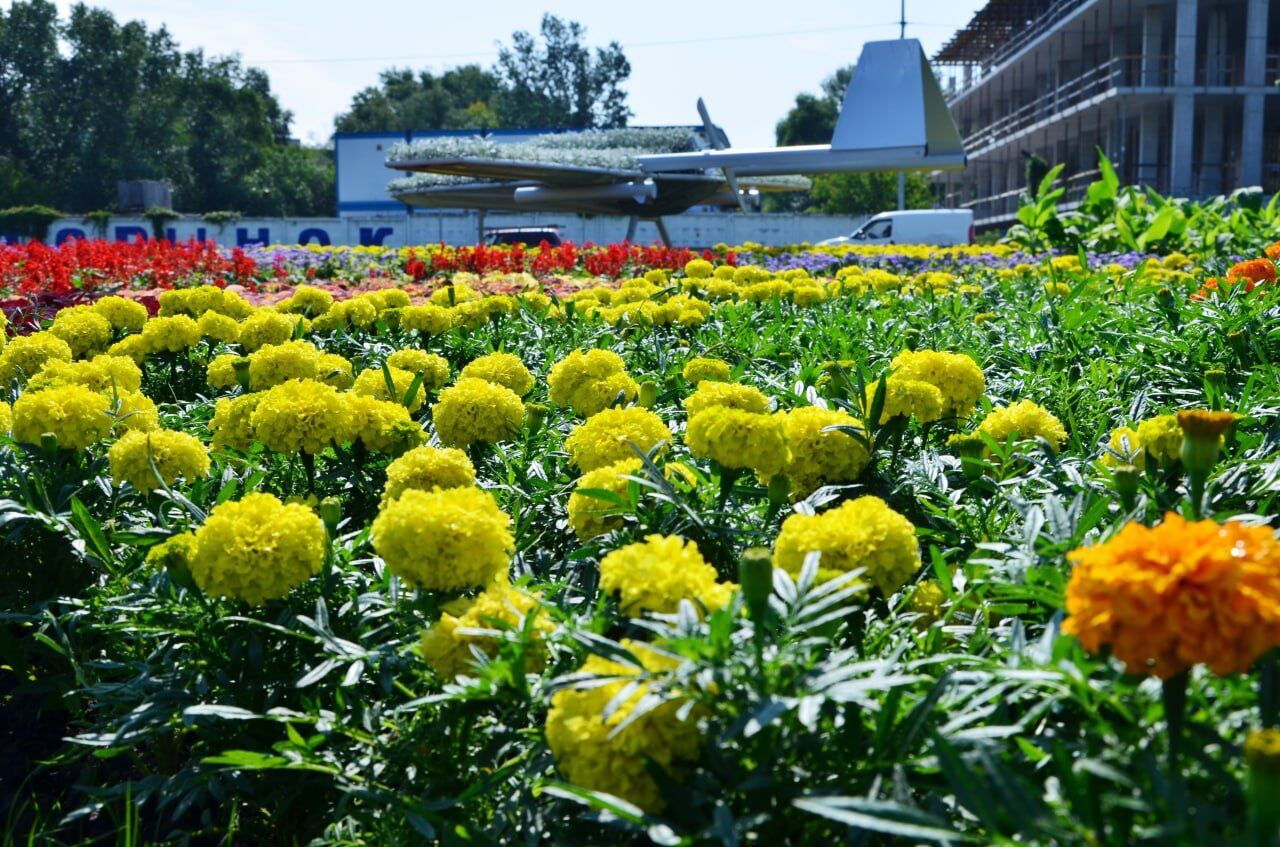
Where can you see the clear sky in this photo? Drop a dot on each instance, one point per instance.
(748, 59)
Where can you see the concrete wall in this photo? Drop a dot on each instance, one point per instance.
(397, 230)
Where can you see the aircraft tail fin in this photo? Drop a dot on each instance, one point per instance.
(894, 102)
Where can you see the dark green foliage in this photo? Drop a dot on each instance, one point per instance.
(28, 221)
(120, 102)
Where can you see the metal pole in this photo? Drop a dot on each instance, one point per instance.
(902, 190)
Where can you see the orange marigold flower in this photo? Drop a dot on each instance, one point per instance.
(1254, 270)
(1202, 423)
(1273, 251)
(1178, 594)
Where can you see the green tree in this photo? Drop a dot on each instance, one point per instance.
(559, 82)
(460, 98)
(88, 101)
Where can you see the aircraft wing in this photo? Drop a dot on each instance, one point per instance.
(510, 169)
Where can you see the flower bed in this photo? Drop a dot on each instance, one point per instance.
(945, 546)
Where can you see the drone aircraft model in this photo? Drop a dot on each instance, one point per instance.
(893, 118)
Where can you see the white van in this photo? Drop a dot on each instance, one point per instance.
(943, 227)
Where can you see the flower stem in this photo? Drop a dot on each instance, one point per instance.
(1174, 695)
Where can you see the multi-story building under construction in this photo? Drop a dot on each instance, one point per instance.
(1180, 94)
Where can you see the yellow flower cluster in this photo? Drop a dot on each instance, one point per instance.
(173, 454)
(586, 510)
(170, 335)
(819, 457)
(590, 381)
(654, 575)
(382, 426)
(372, 382)
(858, 534)
(263, 327)
(194, 302)
(25, 355)
(73, 414)
(232, 424)
(257, 549)
(426, 469)
(728, 394)
(904, 398)
(434, 369)
(428, 319)
(598, 746)
(739, 439)
(6, 418)
(474, 411)
(608, 437)
(121, 312)
(273, 364)
(1179, 594)
(301, 416)
(1161, 438)
(1024, 420)
(105, 374)
(955, 375)
(503, 369)
(306, 300)
(221, 370)
(448, 539)
(450, 645)
(86, 332)
(699, 368)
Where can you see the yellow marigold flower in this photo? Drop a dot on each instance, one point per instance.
(134, 412)
(25, 355)
(863, 533)
(956, 375)
(1024, 420)
(170, 335)
(590, 381)
(727, 394)
(105, 374)
(458, 292)
(272, 364)
(221, 370)
(1125, 449)
(1161, 438)
(194, 302)
(907, 398)
(449, 646)
(388, 298)
(232, 424)
(586, 510)
(654, 575)
(219, 327)
(926, 601)
(739, 439)
(474, 411)
(301, 415)
(699, 368)
(357, 312)
(382, 426)
(307, 300)
(6, 418)
(257, 549)
(174, 552)
(85, 331)
(434, 369)
(500, 368)
(132, 347)
(607, 437)
(372, 382)
(448, 539)
(175, 455)
(335, 370)
(122, 313)
(1262, 751)
(75, 415)
(430, 319)
(698, 269)
(818, 457)
(426, 469)
(265, 326)
(1179, 594)
(598, 746)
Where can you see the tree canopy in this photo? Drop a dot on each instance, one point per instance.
(812, 120)
(553, 80)
(86, 101)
